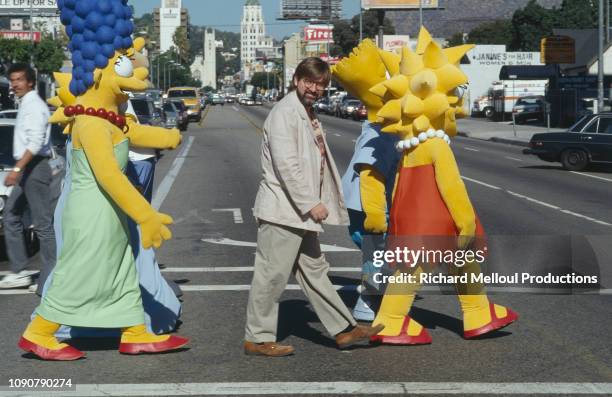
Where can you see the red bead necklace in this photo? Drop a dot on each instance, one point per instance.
(116, 119)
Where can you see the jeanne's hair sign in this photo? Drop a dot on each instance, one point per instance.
(398, 4)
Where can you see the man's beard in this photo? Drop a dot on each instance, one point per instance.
(306, 101)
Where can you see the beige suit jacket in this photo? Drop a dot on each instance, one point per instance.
(291, 164)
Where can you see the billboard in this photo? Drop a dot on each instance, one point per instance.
(397, 4)
(395, 43)
(24, 5)
(311, 9)
(19, 35)
(319, 34)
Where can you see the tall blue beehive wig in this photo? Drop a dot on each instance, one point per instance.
(96, 28)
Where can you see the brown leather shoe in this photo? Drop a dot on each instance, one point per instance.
(358, 334)
(270, 349)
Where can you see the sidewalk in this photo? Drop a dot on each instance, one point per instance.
(481, 128)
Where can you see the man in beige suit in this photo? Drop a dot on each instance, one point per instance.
(300, 190)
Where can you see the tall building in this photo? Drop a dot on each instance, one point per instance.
(252, 36)
(210, 59)
(170, 16)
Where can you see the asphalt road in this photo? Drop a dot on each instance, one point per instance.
(561, 341)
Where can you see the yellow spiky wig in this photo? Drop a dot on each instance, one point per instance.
(424, 92)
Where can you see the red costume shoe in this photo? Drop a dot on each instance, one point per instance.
(67, 353)
(173, 343)
(403, 338)
(495, 324)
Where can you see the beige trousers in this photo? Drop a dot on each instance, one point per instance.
(280, 251)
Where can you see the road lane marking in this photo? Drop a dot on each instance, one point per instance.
(227, 241)
(201, 123)
(248, 120)
(237, 212)
(513, 158)
(164, 187)
(222, 269)
(471, 149)
(481, 183)
(235, 108)
(328, 388)
(591, 176)
(356, 287)
(336, 134)
(554, 207)
(539, 202)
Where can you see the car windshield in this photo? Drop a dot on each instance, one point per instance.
(528, 101)
(182, 94)
(169, 107)
(6, 145)
(353, 103)
(141, 107)
(581, 123)
(153, 95)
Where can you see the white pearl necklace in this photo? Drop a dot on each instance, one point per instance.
(422, 137)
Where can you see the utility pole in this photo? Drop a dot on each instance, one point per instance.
(360, 24)
(420, 13)
(381, 28)
(600, 61)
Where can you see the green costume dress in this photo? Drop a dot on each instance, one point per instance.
(95, 283)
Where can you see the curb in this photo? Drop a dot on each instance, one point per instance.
(506, 141)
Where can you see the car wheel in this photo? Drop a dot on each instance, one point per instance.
(489, 113)
(574, 159)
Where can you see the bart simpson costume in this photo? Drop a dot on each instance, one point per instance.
(431, 208)
(370, 177)
(95, 282)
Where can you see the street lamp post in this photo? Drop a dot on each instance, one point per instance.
(600, 61)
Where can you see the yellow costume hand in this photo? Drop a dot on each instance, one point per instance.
(153, 137)
(154, 230)
(373, 200)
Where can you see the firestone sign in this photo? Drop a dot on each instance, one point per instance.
(322, 34)
(27, 4)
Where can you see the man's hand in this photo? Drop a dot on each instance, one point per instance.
(319, 213)
(12, 178)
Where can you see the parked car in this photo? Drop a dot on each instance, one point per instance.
(322, 105)
(588, 141)
(218, 100)
(8, 114)
(348, 107)
(529, 108)
(176, 115)
(146, 112)
(191, 97)
(483, 106)
(7, 162)
(361, 113)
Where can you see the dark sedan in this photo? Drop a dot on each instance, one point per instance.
(588, 141)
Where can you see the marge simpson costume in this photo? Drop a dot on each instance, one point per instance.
(431, 208)
(95, 282)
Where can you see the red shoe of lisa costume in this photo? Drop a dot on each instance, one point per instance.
(495, 324)
(67, 353)
(173, 343)
(403, 338)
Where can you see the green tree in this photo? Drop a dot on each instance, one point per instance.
(496, 32)
(346, 33)
(530, 24)
(48, 56)
(577, 14)
(181, 41)
(265, 80)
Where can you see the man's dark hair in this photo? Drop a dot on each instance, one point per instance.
(312, 68)
(30, 74)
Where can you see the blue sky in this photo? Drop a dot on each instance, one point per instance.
(226, 14)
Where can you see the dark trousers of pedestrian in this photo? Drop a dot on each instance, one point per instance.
(34, 192)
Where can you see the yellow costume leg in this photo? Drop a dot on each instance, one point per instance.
(480, 316)
(139, 334)
(42, 332)
(136, 340)
(39, 338)
(400, 329)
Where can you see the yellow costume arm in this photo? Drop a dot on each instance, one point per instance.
(94, 136)
(147, 136)
(373, 199)
(452, 188)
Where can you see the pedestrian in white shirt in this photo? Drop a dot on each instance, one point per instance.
(31, 178)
